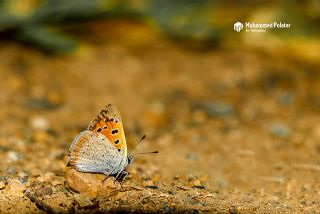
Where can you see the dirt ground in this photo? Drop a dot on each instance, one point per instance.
(238, 129)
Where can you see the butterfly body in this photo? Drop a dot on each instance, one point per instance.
(102, 147)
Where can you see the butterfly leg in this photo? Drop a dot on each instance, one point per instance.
(121, 175)
(107, 175)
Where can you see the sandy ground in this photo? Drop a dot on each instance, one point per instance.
(238, 130)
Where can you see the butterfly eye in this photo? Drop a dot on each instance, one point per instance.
(129, 160)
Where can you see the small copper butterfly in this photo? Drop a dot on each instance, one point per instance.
(102, 147)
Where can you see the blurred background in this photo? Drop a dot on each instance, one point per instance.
(236, 110)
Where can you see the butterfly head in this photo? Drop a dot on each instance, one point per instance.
(129, 159)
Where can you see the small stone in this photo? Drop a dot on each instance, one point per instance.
(43, 191)
(176, 177)
(41, 103)
(286, 98)
(2, 183)
(216, 108)
(196, 182)
(191, 157)
(51, 178)
(198, 187)
(279, 130)
(191, 178)
(13, 156)
(23, 177)
(152, 187)
(150, 184)
(233, 210)
(57, 180)
(46, 177)
(39, 123)
(88, 183)
(14, 188)
(11, 171)
(83, 200)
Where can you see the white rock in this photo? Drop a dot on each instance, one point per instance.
(39, 123)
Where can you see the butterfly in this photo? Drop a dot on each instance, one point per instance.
(102, 148)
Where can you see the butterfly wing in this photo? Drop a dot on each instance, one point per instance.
(108, 123)
(93, 152)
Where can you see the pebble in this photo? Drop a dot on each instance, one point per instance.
(233, 210)
(3, 181)
(83, 200)
(39, 123)
(217, 108)
(51, 178)
(14, 188)
(88, 183)
(198, 187)
(196, 182)
(150, 184)
(11, 170)
(2, 184)
(43, 191)
(41, 103)
(46, 177)
(191, 157)
(176, 177)
(286, 98)
(23, 177)
(12, 156)
(279, 130)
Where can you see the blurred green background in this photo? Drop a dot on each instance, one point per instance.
(45, 24)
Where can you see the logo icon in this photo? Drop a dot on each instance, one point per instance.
(238, 26)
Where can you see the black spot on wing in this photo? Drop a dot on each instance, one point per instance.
(114, 131)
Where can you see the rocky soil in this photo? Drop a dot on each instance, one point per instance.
(238, 129)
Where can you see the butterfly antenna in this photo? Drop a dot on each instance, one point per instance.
(143, 137)
(144, 153)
